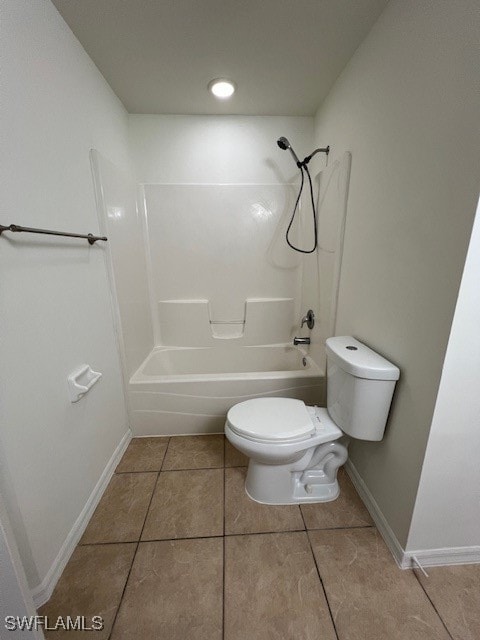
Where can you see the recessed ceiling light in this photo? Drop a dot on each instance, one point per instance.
(222, 88)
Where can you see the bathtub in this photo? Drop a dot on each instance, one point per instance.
(189, 390)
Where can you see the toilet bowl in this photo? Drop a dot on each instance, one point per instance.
(295, 450)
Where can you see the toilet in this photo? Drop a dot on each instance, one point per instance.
(296, 450)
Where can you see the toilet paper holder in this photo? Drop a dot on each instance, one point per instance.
(80, 381)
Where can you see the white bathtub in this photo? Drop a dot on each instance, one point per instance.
(189, 390)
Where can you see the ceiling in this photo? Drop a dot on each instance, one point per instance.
(159, 55)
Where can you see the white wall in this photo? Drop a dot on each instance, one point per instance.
(447, 509)
(216, 149)
(55, 299)
(407, 107)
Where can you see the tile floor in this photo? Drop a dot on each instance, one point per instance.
(176, 551)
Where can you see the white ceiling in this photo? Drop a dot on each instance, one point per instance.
(159, 55)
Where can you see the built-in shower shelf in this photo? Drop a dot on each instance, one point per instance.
(191, 323)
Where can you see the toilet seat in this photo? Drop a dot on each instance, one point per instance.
(273, 420)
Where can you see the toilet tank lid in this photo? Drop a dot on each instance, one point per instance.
(356, 358)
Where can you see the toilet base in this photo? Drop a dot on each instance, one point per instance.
(295, 483)
(320, 493)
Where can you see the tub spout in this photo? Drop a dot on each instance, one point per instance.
(301, 340)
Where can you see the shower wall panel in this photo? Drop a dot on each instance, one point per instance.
(120, 221)
(213, 247)
(321, 270)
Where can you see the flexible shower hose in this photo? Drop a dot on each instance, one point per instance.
(315, 233)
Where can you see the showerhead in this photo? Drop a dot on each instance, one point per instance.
(284, 144)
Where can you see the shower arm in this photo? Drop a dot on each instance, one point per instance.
(314, 153)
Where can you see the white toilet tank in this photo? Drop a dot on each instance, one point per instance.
(360, 385)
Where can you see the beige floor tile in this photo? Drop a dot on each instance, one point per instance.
(194, 452)
(234, 457)
(121, 512)
(346, 511)
(243, 515)
(143, 454)
(174, 592)
(186, 504)
(272, 590)
(370, 597)
(455, 592)
(91, 585)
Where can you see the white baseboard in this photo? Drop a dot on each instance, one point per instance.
(396, 549)
(404, 559)
(445, 556)
(44, 590)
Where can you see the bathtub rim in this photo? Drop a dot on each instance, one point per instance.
(313, 370)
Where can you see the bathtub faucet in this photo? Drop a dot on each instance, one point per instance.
(309, 319)
(301, 340)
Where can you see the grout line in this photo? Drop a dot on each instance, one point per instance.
(431, 602)
(224, 541)
(354, 526)
(123, 592)
(102, 544)
(192, 469)
(228, 535)
(321, 580)
(134, 556)
(120, 473)
(149, 505)
(301, 516)
(166, 453)
(99, 544)
(262, 533)
(220, 535)
(222, 466)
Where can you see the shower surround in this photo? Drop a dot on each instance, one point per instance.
(225, 293)
(225, 304)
